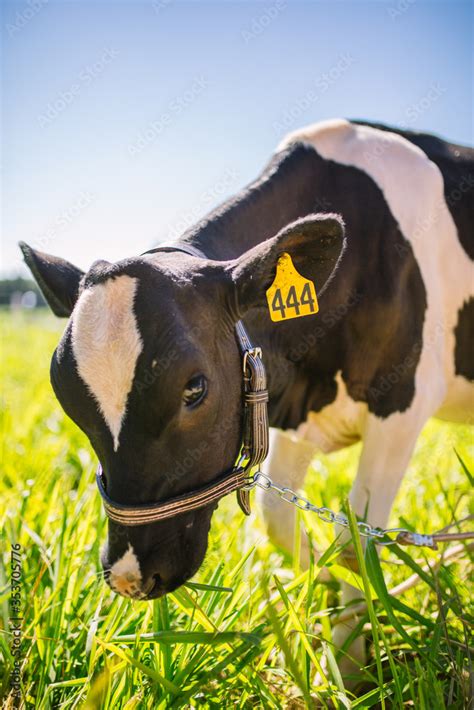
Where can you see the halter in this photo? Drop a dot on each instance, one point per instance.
(253, 450)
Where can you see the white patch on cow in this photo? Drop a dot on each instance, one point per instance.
(321, 130)
(125, 575)
(106, 344)
(338, 424)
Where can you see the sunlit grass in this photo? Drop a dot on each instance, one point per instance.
(253, 630)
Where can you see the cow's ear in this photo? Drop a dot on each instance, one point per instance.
(315, 244)
(57, 278)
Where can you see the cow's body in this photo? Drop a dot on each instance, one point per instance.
(401, 324)
(393, 342)
(390, 347)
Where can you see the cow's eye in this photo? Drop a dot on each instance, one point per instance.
(195, 391)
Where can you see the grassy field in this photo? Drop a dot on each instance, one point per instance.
(252, 629)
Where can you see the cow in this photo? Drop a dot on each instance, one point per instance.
(381, 221)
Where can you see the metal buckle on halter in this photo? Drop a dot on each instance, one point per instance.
(255, 427)
(252, 352)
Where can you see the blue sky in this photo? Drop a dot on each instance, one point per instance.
(124, 122)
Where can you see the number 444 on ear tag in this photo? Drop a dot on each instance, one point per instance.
(290, 295)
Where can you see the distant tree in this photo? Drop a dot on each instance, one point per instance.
(19, 292)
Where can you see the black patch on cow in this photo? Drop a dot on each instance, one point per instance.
(456, 163)
(371, 318)
(464, 334)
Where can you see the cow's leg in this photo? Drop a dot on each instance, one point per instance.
(287, 464)
(388, 446)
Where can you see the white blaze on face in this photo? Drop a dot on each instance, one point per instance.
(106, 344)
(125, 575)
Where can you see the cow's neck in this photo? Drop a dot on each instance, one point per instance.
(284, 192)
(287, 189)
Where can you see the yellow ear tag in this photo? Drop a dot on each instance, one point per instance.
(290, 295)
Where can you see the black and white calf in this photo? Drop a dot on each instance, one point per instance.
(149, 368)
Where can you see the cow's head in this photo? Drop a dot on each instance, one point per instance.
(149, 368)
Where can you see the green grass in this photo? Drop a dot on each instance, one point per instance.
(253, 630)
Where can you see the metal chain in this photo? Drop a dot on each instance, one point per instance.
(379, 535)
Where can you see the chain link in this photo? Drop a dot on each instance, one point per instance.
(326, 515)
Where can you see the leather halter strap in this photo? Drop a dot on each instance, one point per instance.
(254, 441)
(145, 514)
